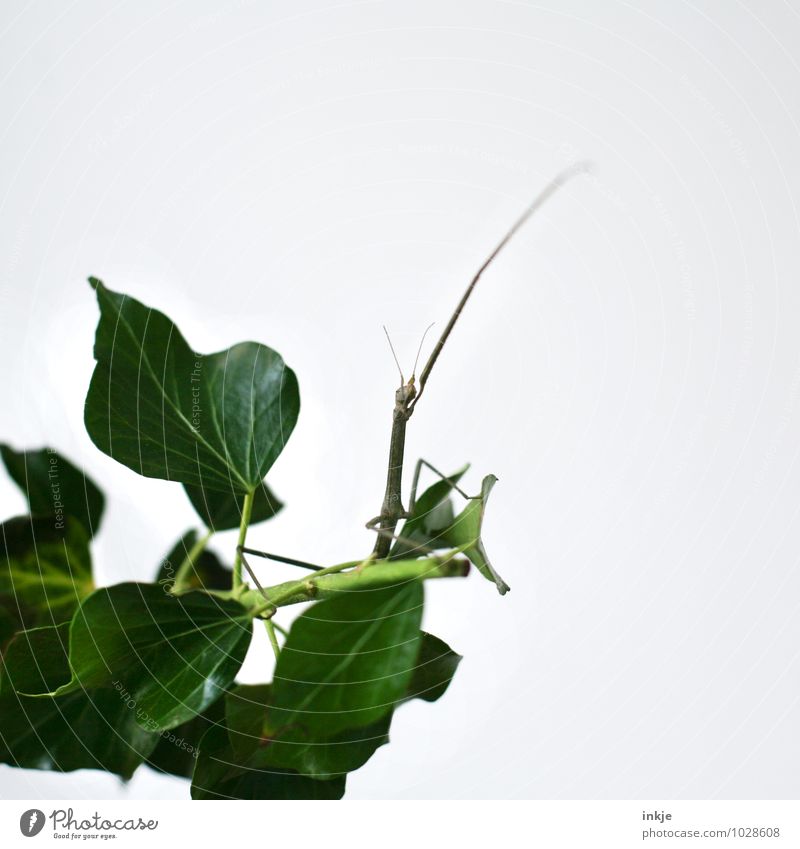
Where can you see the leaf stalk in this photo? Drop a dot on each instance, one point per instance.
(247, 509)
(272, 637)
(180, 584)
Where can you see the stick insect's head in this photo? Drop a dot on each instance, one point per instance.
(406, 393)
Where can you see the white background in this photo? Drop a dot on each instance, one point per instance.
(299, 173)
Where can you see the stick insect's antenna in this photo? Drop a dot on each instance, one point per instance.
(419, 350)
(396, 361)
(549, 190)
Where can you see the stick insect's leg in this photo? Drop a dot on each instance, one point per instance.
(372, 525)
(252, 574)
(418, 469)
(277, 557)
(416, 546)
(250, 570)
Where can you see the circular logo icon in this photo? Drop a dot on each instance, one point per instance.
(31, 822)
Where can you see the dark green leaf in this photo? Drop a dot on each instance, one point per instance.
(86, 729)
(222, 511)
(8, 626)
(436, 666)
(466, 531)
(36, 660)
(345, 664)
(321, 758)
(221, 773)
(217, 421)
(432, 515)
(177, 749)
(347, 660)
(245, 716)
(207, 571)
(324, 756)
(54, 487)
(174, 655)
(45, 570)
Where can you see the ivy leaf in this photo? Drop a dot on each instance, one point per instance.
(177, 749)
(436, 666)
(222, 511)
(54, 487)
(220, 773)
(207, 572)
(345, 664)
(86, 729)
(8, 626)
(432, 516)
(325, 757)
(246, 709)
(216, 421)
(174, 655)
(466, 531)
(245, 713)
(347, 660)
(45, 571)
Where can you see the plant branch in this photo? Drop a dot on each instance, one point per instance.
(282, 631)
(247, 509)
(352, 577)
(268, 624)
(186, 567)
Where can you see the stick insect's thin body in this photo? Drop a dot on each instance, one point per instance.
(392, 508)
(407, 397)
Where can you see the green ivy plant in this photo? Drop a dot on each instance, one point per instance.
(135, 673)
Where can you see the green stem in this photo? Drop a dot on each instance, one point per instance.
(334, 580)
(272, 638)
(186, 567)
(247, 509)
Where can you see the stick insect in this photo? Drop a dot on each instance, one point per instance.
(406, 398)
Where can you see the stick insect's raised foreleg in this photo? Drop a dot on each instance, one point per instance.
(417, 547)
(387, 535)
(415, 482)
